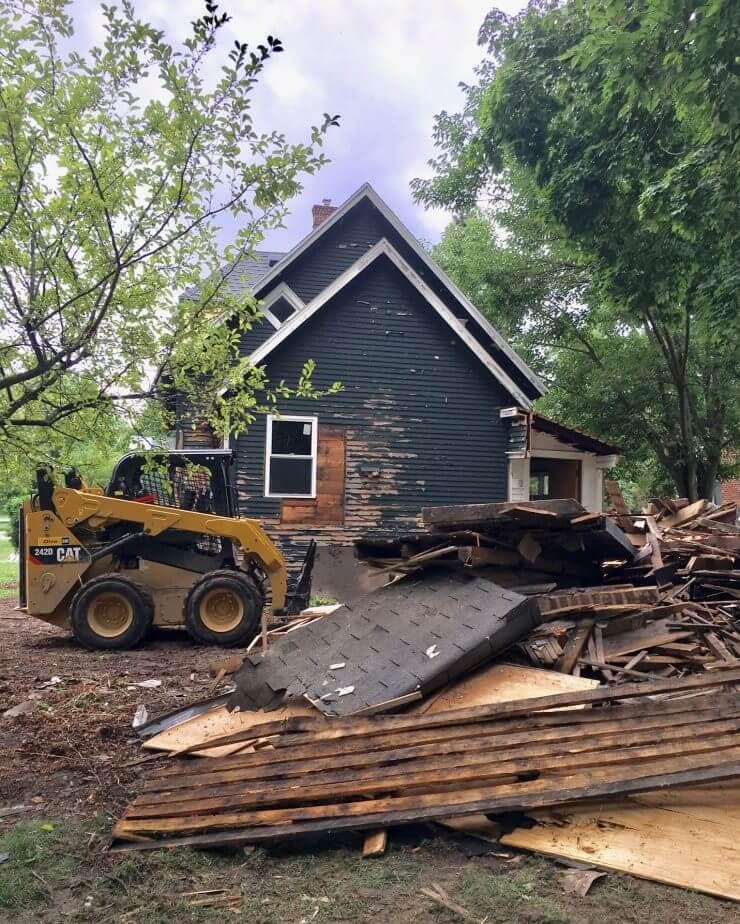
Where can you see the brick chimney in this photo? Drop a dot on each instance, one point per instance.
(321, 212)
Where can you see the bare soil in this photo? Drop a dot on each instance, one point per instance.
(71, 763)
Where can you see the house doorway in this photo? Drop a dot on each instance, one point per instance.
(554, 478)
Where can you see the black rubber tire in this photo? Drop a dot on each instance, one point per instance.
(252, 603)
(141, 604)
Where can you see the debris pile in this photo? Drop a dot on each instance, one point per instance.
(388, 770)
(523, 658)
(661, 592)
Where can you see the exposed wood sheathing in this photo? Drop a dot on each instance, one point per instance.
(685, 836)
(371, 773)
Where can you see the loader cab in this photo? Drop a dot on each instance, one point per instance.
(194, 479)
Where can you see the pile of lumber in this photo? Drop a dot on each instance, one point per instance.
(312, 775)
(558, 666)
(643, 636)
(675, 539)
(541, 545)
(657, 603)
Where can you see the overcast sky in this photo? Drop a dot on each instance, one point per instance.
(386, 66)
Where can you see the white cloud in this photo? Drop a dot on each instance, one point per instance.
(387, 66)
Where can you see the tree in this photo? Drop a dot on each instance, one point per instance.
(115, 168)
(615, 126)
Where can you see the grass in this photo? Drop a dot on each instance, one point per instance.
(8, 570)
(54, 867)
(501, 896)
(38, 861)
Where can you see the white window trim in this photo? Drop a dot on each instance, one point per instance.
(314, 421)
(281, 291)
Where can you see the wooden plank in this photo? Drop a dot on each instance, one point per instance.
(461, 774)
(655, 633)
(498, 683)
(263, 825)
(645, 724)
(574, 647)
(620, 508)
(684, 837)
(526, 793)
(549, 726)
(382, 724)
(273, 778)
(596, 599)
(684, 515)
(216, 723)
(375, 843)
(470, 514)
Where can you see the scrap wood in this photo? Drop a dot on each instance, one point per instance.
(579, 881)
(465, 515)
(438, 895)
(498, 683)
(596, 599)
(622, 514)
(686, 836)
(574, 647)
(635, 749)
(285, 730)
(608, 668)
(375, 843)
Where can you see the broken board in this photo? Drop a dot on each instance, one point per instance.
(215, 724)
(685, 837)
(500, 683)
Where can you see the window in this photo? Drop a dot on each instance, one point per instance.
(282, 309)
(290, 467)
(539, 485)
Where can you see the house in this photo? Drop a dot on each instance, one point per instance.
(436, 407)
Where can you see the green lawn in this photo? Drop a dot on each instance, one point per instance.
(8, 569)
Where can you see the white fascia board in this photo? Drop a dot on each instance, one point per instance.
(289, 257)
(281, 291)
(459, 295)
(384, 248)
(605, 462)
(366, 190)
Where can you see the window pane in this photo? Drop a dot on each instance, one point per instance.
(291, 437)
(290, 476)
(281, 309)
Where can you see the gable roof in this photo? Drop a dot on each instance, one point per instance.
(534, 386)
(243, 274)
(384, 248)
(577, 438)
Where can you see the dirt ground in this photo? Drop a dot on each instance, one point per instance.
(70, 765)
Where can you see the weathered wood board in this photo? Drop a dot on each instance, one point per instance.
(685, 837)
(217, 723)
(500, 683)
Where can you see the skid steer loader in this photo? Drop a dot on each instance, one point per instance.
(163, 545)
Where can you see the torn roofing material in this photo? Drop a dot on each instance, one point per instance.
(408, 638)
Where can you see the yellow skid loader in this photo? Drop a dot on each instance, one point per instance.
(163, 546)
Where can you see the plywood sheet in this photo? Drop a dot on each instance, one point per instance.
(500, 683)
(216, 723)
(687, 837)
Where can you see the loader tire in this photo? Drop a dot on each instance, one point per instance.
(223, 608)
(111, 611)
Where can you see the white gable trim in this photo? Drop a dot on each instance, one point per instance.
(384, 248)
(281, 291)
(367, 191)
